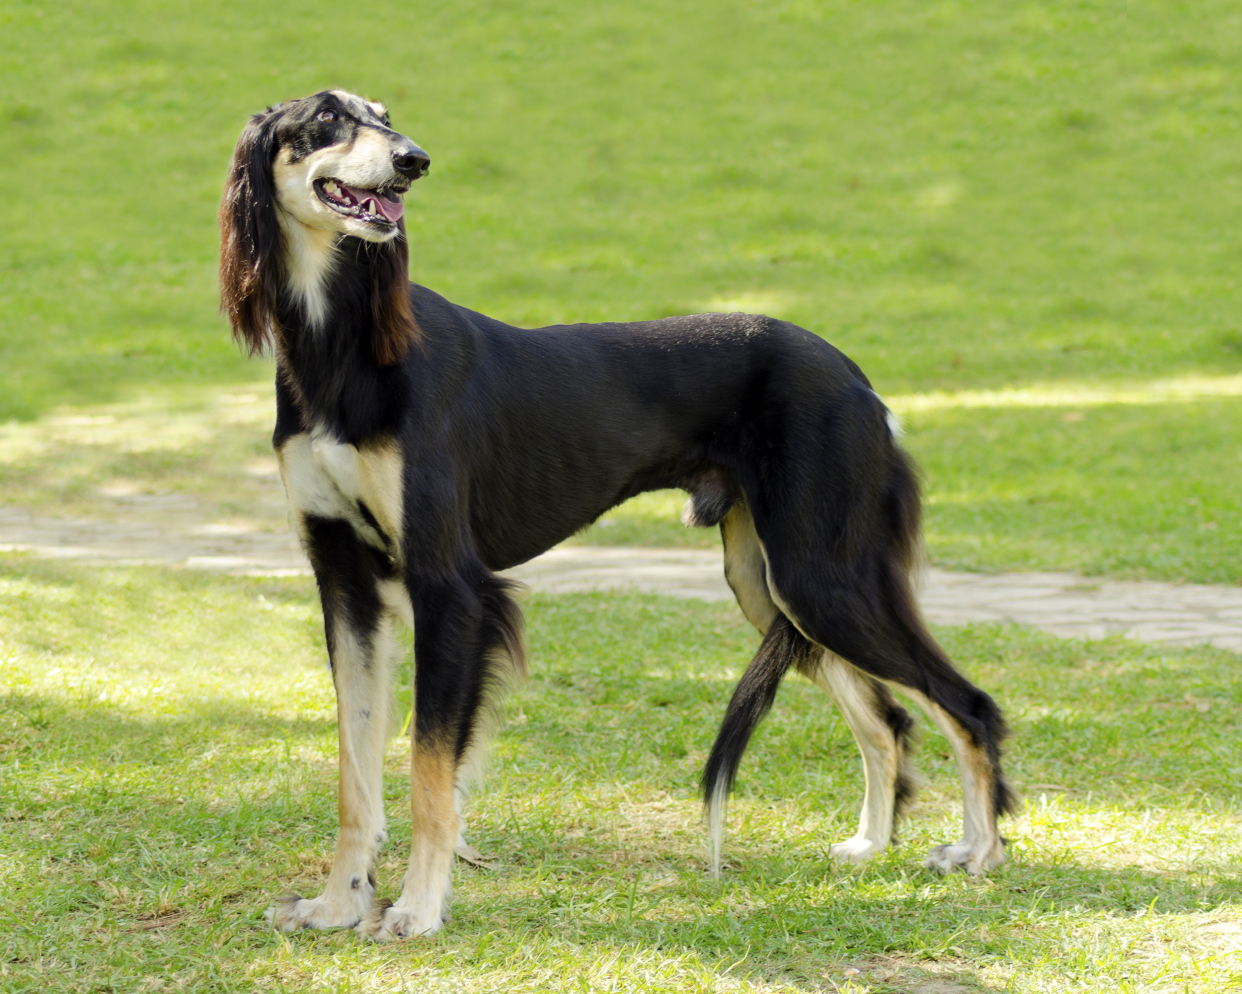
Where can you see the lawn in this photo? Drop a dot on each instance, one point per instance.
(957, 193)
(168, 749)
(1023, 222)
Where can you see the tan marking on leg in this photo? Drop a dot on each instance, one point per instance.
(381, 484)
(363, 694)
(397, 600)
(853, 693)
(745, 567)
(980, 848)
(883, 759)
(423, 905)
(293, 458)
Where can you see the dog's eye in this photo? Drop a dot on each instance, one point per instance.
(327, 116)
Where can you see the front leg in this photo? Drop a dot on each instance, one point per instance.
(428, 884)
(467, 642)
(362, 647)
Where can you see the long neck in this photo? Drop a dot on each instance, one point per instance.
(327, 352)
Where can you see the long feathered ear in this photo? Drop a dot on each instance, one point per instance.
(395, 326)
(250, 238)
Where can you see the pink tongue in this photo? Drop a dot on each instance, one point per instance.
(373, 203)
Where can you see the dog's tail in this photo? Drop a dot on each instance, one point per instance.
(783, 646)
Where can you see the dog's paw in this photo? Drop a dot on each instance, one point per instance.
(292, 912)
(976, 859)
(855, 850)
(387, 921)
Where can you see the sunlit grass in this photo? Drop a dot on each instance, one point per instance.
(210, 444)
(167, 742)
(1185, 389)
(1137, 480)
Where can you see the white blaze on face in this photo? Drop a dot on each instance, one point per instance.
(365, 163)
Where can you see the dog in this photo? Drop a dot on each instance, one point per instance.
(425, 447)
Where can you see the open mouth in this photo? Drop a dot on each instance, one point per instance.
(381, 207)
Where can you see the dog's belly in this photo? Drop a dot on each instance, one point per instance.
(325, 478)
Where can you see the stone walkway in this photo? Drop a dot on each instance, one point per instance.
(169, 530)
(1060, 603)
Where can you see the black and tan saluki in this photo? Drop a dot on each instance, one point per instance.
(424, 447)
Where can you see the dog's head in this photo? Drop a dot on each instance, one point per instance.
(338, 165)
(330, 162)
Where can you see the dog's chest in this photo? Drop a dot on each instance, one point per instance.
(325, 478)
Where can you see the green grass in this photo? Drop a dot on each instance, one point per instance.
(959, 194)
(1124, 491)
(210, 445)
(956, 193)
(167, 741)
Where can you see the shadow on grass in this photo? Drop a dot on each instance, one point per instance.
(790, 920)
(54, 728)
(98, 776)
(237, 796)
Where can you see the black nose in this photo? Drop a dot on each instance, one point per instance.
(411, 161)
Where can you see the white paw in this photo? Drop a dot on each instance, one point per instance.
(855, 850)
(292, 912)
(975, 859)
(387, 921)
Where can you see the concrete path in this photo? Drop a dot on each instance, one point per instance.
(170, 530)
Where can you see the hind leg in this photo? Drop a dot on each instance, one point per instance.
(967, 716)
(869, 618)
(984, 797)
(746, 568)
(879, 724)
(881, 728)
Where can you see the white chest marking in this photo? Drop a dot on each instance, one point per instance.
(325, 478)
(310, 256)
